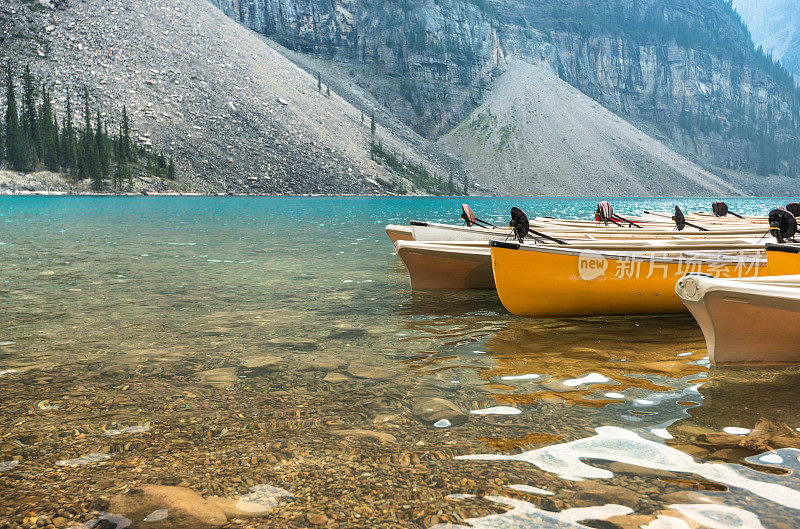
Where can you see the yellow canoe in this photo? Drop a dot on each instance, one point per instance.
(468, 264)
(540, 282)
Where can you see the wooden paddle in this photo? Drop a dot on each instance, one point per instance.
(678, 218)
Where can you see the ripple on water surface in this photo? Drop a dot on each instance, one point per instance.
(625, 446)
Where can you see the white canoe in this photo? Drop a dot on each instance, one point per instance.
(399, 233)
(431, 231)
(746, 321)
(447, 266)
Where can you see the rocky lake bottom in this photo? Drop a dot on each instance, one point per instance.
(246, 362)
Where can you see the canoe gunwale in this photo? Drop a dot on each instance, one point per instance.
(645, 255)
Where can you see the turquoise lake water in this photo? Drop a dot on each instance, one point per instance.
(185, 284)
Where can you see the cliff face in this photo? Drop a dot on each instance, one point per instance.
(686, 67)
(429, 62)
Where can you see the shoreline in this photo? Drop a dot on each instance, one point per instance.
(230, 194)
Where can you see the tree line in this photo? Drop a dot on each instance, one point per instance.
(33, 137)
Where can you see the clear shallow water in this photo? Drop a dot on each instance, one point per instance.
(235, 296)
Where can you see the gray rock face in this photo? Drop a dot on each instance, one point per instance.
(664, 62)
(436, 57)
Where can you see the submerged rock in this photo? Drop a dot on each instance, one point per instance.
(432, 410)
(768, 435)
(261, 362)
(83, 460)
(335, 378)
(296, 344)
(360, 370)
(322, 363)
(382, 437)
(765, 436)
(224, 377)
(233, 508)
(257, 502)
(316, 518)
(591, 493)
(184, 508)
(348, 333)
(259, 366)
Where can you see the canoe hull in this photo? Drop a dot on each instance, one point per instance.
(447, 268)
(539, 284)
(744, 325)
(399, 233)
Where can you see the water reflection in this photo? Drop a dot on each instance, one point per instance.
(740, 397)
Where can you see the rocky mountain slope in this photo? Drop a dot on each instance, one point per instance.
(775, 25)
(537, 135)
(687, 67)
(236, 115)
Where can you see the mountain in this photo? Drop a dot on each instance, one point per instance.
(537, 135)
(236, 114)
(634, 96)
(686, 68)
(774, 25)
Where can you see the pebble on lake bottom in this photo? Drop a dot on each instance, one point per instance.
(265, 495)
(157, 515)
(127, 430)
(83, 460)
(8, 465)
(497, 410)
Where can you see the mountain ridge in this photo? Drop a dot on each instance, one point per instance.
(661, 61)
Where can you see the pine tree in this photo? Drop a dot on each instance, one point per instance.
(451, 186)
(121, 174)
(56, 135)
(90, 152)
(125, 136)
(29, 122)
(48, 133)
(319, 82)
(466, 185)
(171, 169)
(328, 91)
(15, 148)
(102, 148)
(69, 155)
(118, 147)
(372, 124)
